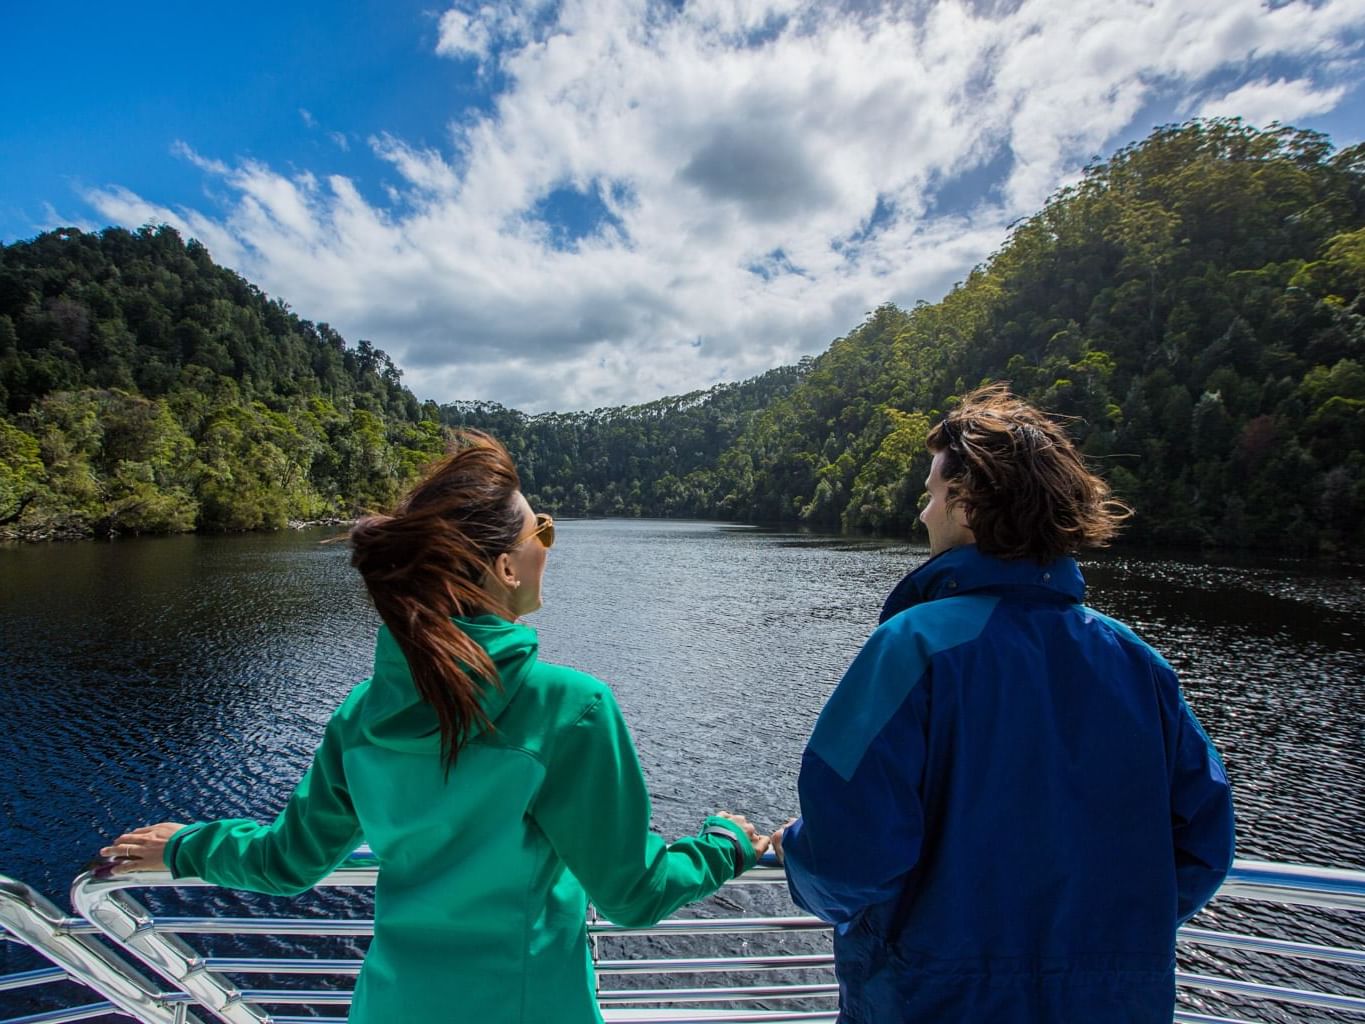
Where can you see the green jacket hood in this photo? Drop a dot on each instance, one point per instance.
(395, 716)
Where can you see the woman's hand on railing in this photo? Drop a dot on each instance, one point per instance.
(142, 849)
(756, 838)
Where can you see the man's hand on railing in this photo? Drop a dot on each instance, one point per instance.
(142, 849)
(777, 835)
(757, 838)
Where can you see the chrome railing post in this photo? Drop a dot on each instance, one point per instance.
(36, 922)
(128, 924)
(594, 947)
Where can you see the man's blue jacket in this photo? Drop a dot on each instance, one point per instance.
(1007, 807)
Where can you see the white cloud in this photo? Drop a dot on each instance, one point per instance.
(741, 151)
(464, 34)
(183, 150)
(425, 170)
(476, 30)
(53, 219)
(121, 206)
(1263, 101)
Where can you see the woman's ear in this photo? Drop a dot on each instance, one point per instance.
(504, 572)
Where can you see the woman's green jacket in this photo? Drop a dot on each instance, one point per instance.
(484, 876)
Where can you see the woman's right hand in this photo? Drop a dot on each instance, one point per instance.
(142, 849)
(756, 838)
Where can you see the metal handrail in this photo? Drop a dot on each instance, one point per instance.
(34, 920)
(1292, 884)
(129, 925)
(1298, 884)
(1295, 885)
(107, 908)
(74, 1013)
(25, 979)
(159, 944)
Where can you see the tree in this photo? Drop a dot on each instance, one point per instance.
(21, 471)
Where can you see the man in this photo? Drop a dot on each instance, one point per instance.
(1007, 807)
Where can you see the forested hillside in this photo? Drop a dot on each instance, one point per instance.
(147, 390)
(655, 459)
(1194, 303)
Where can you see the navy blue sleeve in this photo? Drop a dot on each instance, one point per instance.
(1202, 826)
(862, 821)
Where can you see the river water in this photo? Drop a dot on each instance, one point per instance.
(189, 677)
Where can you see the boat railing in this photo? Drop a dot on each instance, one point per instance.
(78, 956)
(144, 965)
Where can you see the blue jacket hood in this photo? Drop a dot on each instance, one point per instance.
(966, 570)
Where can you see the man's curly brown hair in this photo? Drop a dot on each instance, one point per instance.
(1024, 487)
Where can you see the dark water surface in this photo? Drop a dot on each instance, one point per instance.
(190, 677)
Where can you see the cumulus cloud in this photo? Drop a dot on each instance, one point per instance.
(477, 30)
(463, 34)
(766, 171)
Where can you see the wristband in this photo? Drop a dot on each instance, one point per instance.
(735, 844)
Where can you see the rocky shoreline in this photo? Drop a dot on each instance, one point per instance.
(50, 533)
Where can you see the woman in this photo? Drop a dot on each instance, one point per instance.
(500, 793)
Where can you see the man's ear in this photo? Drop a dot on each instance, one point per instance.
(960, 513)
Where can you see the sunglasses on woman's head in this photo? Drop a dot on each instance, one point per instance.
(543, 531)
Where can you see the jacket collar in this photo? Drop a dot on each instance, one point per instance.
(965, 570)
(396, 715)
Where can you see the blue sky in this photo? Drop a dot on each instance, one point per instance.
(97, 95)
(574, 204)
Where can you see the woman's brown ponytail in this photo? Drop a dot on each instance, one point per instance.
(426, 563)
